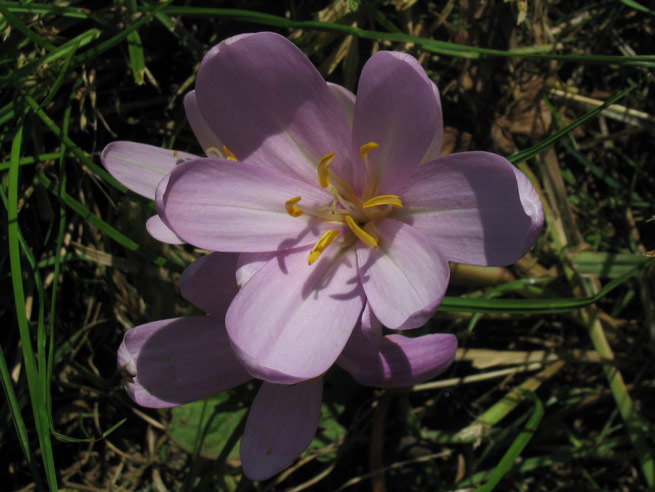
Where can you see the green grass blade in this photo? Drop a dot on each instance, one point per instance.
(137, 58)
(31, 35)
(534, 306)
(509, 458)
(604, 449)
(636, 427)
(56, 85)
(637, 6)
(433, 45)
(17, 417)
(96, 51)
(610, 265)
(33, 377)
(108, 230)
(36, 8)
(83, 39)
(24, 161)
(79, 153)
(526, 154)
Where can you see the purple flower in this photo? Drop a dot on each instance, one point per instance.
(335, 216)
(176, 361)
(171, 362)
(345, 218)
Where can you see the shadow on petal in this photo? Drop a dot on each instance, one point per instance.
(281, 424)
(175, 361)
(396, 361)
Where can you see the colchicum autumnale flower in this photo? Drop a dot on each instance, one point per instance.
(345, 217)
(171, 362)
(336, 202)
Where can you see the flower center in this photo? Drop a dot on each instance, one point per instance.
(346, 208)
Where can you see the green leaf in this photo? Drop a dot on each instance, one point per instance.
(329, 431)
(204, 427)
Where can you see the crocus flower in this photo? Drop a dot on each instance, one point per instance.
(335, 216)
(176, 361)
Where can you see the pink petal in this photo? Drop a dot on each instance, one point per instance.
(210, 283)
(175, 361)
(434, 151)
(290, 322)
(267, 102)
(475, 206)
(395, 361)
(396, 108)
(141, 167)
(161, 232)
(368, 323)
(227, 206)
(405, 277)
(346, 100)
(281, 425)
(208, 140)
(250, 263)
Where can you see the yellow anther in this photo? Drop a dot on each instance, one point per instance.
(323, 171)
(175, 153)
(215, 150)
(363, 236)
(393, 200)
(291, 207)
(324, 241)
(366, 148)
(228, 154)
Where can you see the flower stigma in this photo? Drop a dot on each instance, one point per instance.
(354, 214)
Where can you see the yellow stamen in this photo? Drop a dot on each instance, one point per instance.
(393, 200)
(215, 150)
(320, 246)
(292, 210)
(363, 236)
(175, 153)
(228, 154)
(323, 171)
(366, 148)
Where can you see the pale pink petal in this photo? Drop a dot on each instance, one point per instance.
(291, 320)
(208, 140)
(346, 100)
(250, 263)
(266, 101)
(405, 277)
(210, 283)
(180, 360)
(281, 425)
(532, 206)
(396, 361)
(434, 151)
(396, 108)
(161, 232)
(476, 207)
(368, 323)
(141, 167)
(227, 206)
